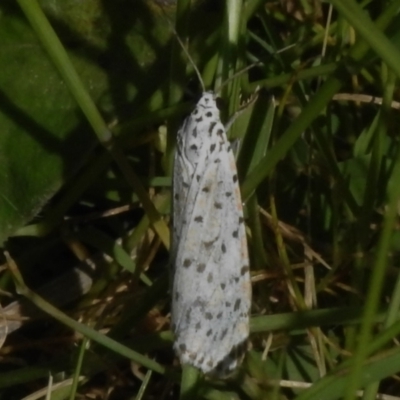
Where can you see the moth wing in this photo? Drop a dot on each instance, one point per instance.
(212, 290)
(182, 176)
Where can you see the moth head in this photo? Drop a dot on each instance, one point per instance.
(207, 100)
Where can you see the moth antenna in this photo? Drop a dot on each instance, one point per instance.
(185, 51)
(243, 70)
(251, 66)
(203, 88)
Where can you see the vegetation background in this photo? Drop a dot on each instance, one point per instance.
(91, 96)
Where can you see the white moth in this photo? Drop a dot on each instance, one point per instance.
(211, 291)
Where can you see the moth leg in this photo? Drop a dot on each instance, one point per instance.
(242, 108)
(235, 144)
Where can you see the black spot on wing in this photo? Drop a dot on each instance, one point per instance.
(201, 267)
(182, 347)
(188, 315)
(237, 304)
(244, 269)
(211, 127)
(208, 316)
(208, 244)
(199, 303)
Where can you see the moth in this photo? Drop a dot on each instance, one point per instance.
(211, 289)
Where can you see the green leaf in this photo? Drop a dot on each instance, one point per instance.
(45, 137)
